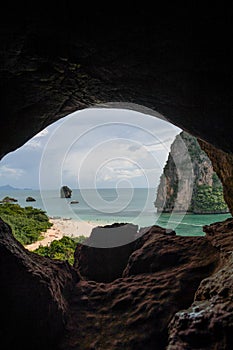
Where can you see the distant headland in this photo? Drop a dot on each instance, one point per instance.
(11, 188)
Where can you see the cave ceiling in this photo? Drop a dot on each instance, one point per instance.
(56, 60)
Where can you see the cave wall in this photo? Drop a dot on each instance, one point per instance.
(175, 60)
(34, 295)
(56, 60)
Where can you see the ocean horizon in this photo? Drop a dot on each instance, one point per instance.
(109, 205)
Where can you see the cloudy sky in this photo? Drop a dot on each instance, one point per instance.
(101, 148)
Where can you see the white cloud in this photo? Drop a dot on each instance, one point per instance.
(33, 144)
(114, 175)
(101, 145)
(6, 171)
(112, 161)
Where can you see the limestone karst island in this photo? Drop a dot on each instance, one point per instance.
(189, 182)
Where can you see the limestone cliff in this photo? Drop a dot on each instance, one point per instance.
(223, 165)
(188, 182)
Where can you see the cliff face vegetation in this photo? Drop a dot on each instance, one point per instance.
(188, 182)
(223, 165)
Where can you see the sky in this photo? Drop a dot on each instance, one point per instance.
(92, 148)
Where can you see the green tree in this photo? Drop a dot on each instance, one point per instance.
(27, 224)
(209, 198)
(62, 249)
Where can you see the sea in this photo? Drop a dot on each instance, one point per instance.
(107, 206)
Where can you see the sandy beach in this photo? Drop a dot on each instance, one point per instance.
(63, 227)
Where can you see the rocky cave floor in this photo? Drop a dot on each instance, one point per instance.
(161, 291)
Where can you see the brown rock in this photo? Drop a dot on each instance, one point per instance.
(208, 323)
(162, 252)
(133, 312)
(34, 296)
(117, 242)
(104, 255)
(53, 64)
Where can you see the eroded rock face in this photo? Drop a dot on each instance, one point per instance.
(53, 64)
(223, 165)
(34, 296)
(104, 255)
(163, 273)
(133, 312)
(109, 262)
(208, 323)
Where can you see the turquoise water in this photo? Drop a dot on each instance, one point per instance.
(110, 205)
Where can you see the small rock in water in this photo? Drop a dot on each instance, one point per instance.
(65, 192)
(30, 199)
(9, 200)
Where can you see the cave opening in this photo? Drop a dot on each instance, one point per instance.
(177, 61)
(123, 165)
(109, 154)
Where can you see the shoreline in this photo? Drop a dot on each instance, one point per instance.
(63, 227)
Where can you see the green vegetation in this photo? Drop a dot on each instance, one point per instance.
(209, 198)
(216, 182)
(195, 152)
(27, 224)
(62, 249)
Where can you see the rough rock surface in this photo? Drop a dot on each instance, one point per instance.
(34, 294)
(133, 312)
(188, 176)
(60, 309)
(56, 60)
(177, 64)
(106, 252)
(208, 323)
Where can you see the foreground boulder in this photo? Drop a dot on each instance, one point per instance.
(104, 255)
(208, 323)
(34, 293)
(165, 292)
(161, 276)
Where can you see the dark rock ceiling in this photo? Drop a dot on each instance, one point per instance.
(176, 61)
(57, 59)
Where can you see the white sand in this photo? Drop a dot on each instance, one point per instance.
(63, 227)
